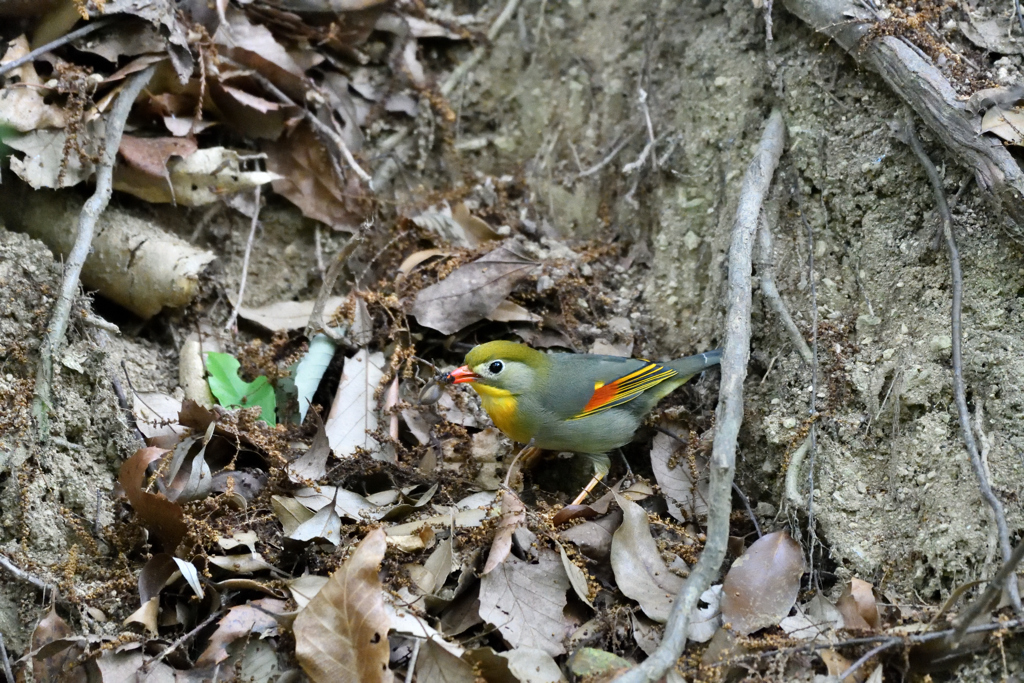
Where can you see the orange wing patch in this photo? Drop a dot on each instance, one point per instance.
(624, 389)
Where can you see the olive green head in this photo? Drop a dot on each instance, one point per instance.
(506, 366)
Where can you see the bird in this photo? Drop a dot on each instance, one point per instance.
(583, 403)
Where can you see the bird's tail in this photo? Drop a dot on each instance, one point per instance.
(692, 365)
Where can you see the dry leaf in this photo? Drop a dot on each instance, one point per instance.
(686, 499)
(59, 662)
(325, 525)
(533, 665)
(1007, 123)
(353, 415)
(525, 601)
(312, 465)
(305, 588)
(762, 585)
(432, 575)
(146, 616)
(306, 178)
(283, 316)
(150, 155)
(435, 664)
(23, 104)
(118, 667)
(594, 538)
(205, 177)
(477, 229)
(858, 606)
(163, 518)
(508, 312)
(640, 572)
(470, 292)
(291, 512)
(577, 577)
(341, 636)
(240, 622)
(156, 415)
(513, 515)
(418, 257)
(44, 157)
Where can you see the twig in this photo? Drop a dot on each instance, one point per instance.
(176, 644)
(866, 656)
(766, 270)
(91, 211)
(796, 460)
(465, 67)
(735, 486)
(54, 44)
(746, 504)
(6, 662)
(729, 414)
(316, 317)
(27, 577)
(812, 408)
(642, 159)
(989, 596)
(324, 129)
(608, 159)
(913, 639)
(908, 136)
(1020, 16)
(230, 324)
(122, 402)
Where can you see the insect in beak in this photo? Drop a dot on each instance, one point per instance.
(459, 376)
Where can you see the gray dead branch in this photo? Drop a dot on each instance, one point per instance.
(922, 86)
(729, 414)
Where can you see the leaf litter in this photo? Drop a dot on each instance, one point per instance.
(378, 521)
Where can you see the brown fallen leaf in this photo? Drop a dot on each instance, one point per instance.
(686, 497)
(762, 585)
(150, 155)
(471, 291)
(640, 572)
(525, 602)
(837, 664)
(437, 664)
(161, 517)
(594, 538)
(513, 515)
(23, 104)
(59, 662)
(312, 465)
(341, 636)
(858, 606)
(308, 181)
(241, 621)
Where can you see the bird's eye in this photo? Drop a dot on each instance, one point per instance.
(496, 367)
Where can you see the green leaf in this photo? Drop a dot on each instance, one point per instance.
(234, 392)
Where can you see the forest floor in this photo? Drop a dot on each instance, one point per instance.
(432, 176)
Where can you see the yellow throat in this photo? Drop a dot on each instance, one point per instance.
(501, 405)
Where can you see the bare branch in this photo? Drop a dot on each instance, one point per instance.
(729, 415)
(907, 135)
(54, 44)
(230, 324)
(91, 211)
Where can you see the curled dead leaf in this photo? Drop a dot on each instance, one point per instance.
(762, 585)
(341, 636)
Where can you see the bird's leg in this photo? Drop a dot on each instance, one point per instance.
(598, 476)
(602, 465)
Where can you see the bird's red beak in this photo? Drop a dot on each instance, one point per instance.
(461, 376)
